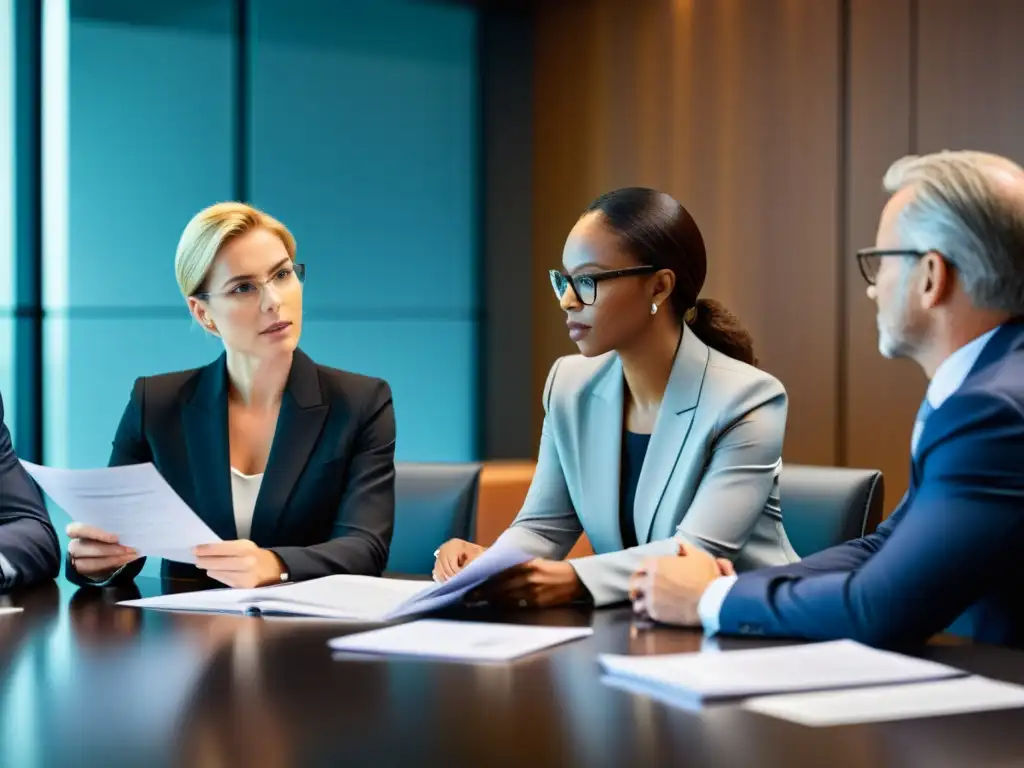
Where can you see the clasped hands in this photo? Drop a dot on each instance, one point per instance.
(664, 589)
(97, 554)
(669, 589)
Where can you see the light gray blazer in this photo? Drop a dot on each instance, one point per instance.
(710, 476)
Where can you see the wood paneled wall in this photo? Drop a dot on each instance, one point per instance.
(924, 75)
(880, 396)
(773, 121)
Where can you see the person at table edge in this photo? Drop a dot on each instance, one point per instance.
(29, 550)
(947, 277)
(288, 461)
(661, 427)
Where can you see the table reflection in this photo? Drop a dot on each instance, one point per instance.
(87, 682)
(105, 680)
(41, 604)
(231, 717)
(96, 620)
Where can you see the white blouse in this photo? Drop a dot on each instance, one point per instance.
(244, 490)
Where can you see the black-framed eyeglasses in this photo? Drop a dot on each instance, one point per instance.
(870, 260)
(585, 286)
(286, 276)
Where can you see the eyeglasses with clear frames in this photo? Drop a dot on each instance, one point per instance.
(289, 276)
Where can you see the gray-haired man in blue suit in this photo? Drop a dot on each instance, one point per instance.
(947, 276)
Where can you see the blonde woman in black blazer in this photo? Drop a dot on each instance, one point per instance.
(288, 461)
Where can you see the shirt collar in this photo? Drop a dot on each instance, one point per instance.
(954, 369)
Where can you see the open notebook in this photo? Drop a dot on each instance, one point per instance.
(348, 598)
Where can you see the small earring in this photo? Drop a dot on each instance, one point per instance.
(654, 309)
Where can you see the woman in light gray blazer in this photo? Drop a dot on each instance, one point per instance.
(661, 430)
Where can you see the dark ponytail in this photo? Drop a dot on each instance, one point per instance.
(720, 329)
(660, 232)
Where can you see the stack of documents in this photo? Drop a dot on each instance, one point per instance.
(347, 598)
(833, 683)
(738, 674)
(458, 640)
(134, 502)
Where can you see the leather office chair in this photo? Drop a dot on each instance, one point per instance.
(503, 489)
(433, 503)
(825, 506)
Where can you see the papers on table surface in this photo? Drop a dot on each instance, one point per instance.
(891, 702)
(458, 640)
(663, 694)
(345, 597)
(734, 674)
(134, 502)
(342, 596)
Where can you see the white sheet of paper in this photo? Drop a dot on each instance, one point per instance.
(489, 564)
(891, 702)
(134, 502)
(458, 640)
(749, 672)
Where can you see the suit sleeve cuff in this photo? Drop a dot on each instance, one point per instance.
(82, 580)
(710, 606)
(8, 573)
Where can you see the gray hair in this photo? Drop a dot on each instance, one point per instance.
(968, 206)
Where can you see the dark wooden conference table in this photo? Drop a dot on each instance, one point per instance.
(84, 682)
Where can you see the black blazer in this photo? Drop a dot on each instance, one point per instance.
(327, 501)
(27, 539)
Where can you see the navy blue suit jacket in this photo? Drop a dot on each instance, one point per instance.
(948, 555)
(27, 538)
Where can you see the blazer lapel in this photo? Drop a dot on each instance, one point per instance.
(205, 422)
(600, 444)
(1009, 338)
(670, 430)
(299, 423)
